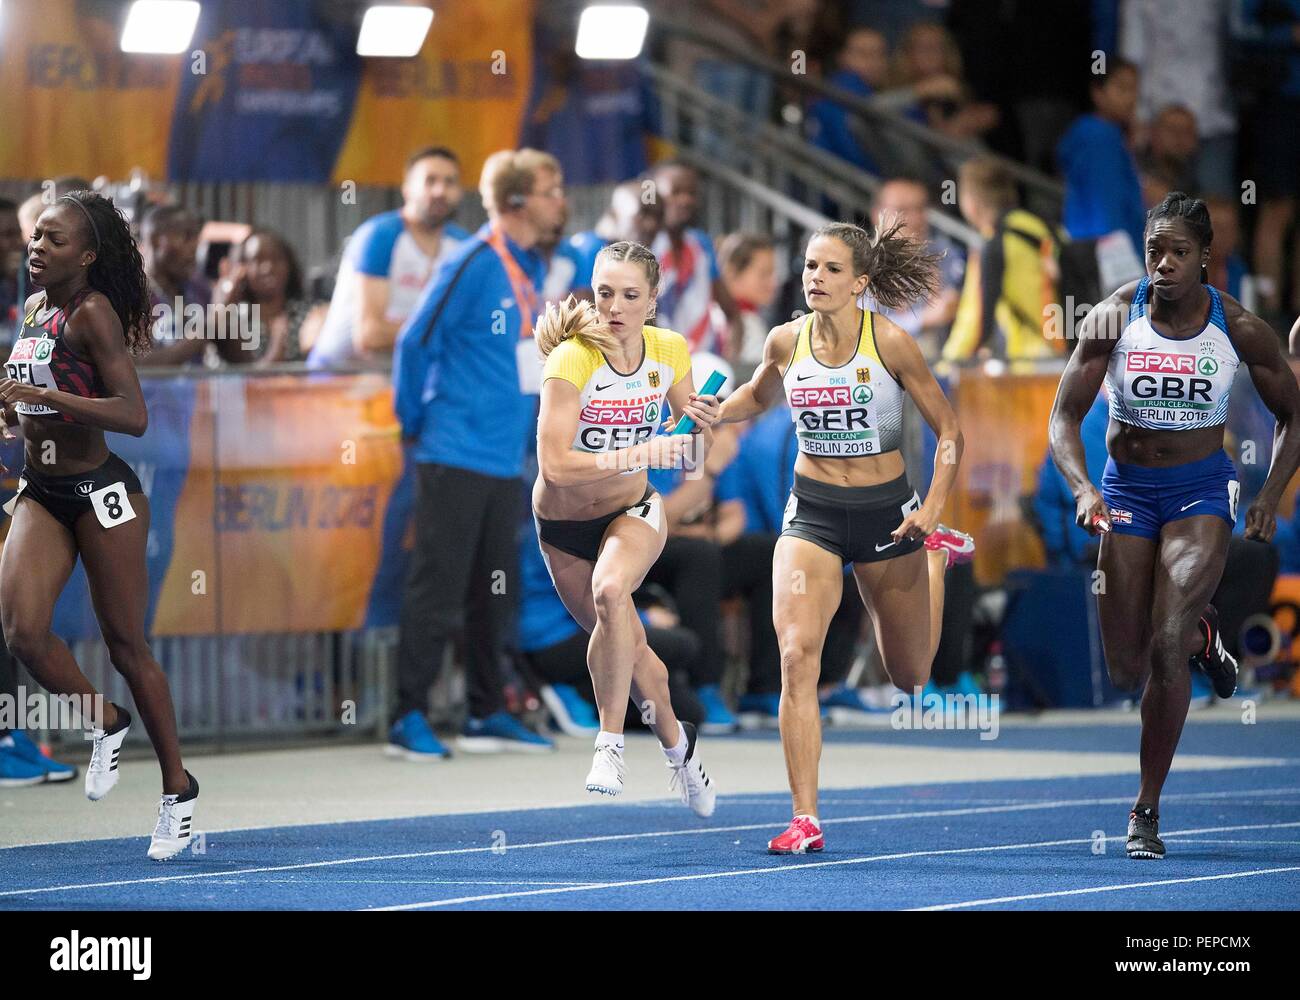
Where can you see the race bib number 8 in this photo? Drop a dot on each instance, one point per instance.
(112, 506)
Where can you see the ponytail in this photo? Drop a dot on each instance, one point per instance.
(900, 270)
(573, 318)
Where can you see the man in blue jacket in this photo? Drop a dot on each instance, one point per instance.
(466, 374)
(1102, 190)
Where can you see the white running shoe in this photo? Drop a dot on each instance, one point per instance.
(607, 771)
(102, 774)
(175, 819)
(689, 781)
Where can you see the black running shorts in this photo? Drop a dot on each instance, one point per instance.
(104, 491)
(854, 522)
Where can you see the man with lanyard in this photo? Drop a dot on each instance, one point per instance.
(466, 374)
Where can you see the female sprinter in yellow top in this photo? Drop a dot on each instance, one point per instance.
(844, 371)
(601, 526)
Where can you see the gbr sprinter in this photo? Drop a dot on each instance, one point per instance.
(607, 380)
(843, 370)
(1167, 348)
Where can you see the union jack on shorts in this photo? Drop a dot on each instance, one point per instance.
(1121, 516)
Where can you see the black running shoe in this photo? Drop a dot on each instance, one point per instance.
(1143, 840)
(1216, 662)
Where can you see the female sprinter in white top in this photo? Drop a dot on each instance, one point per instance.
(601, 526)
(844, 371)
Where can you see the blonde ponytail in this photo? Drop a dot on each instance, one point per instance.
(574, 318)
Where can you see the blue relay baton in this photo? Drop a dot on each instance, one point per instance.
(711, 386)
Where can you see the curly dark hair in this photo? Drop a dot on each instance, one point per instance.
(117, 271)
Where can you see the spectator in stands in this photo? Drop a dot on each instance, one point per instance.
(690, 281)
(1272, 30)
(1181, 52)
(389, 261)
(1011, 284)
(907, 199)
(466, 395)
(1102, 190)
(635, 214)
(1065, 543)
(1227, 268)
(12, 245)
(1168, 160)
(263, 271)
(169, 239)
(554, 649)
(928, 67)
(748, 265)
(863, 69)
(568, 271)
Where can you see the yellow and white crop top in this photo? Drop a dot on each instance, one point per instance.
(852, 410)
(620, 410)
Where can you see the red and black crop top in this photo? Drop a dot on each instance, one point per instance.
(41, 356)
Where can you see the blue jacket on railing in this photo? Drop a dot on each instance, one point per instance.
(455, 375)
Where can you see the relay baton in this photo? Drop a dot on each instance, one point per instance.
(711, 386)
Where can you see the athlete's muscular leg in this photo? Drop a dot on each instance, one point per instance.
(119, 589)
(649, 681)
(1123, 587)
(39, 556)
(807, 582)
(1189, 564)
(901, 595)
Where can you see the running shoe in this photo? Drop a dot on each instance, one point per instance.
(718, 720)
(411, 738)
(571, 713)
(846, 706)
(102, 773)
(55, 771)
(175, 819)
(803, 836)
(760, 711)
(689, 781)
(1143, 840)
(607, 771)
(501, 732)
(16, 771)
(1218, 664)
(959, 545)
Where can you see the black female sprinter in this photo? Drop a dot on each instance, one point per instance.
(1168, 347)
(69, 378)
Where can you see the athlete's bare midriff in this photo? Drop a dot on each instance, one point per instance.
(589, 501)
(1130, 445)
(58, 448)
(869, 470)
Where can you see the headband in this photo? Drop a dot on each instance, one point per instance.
(86, 212)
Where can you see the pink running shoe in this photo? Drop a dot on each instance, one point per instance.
(959, 545)
(802, 836)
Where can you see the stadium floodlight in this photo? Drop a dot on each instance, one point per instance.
(611, 31)
(162, 27)
(393, 32)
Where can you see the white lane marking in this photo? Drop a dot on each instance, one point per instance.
(609, 838)
(1108, 888)
(773, 870)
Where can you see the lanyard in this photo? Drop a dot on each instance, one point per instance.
(520, 283)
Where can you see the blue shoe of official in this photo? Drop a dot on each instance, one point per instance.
(55, 771)
(845, 706)
(411, 738)
(966, 684)
(501, 732)
(760, 711)
(718, 720)
(15, 769)
(571, 713)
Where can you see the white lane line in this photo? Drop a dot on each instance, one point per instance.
(802, 866)
(614, 837)
(1108, 888)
